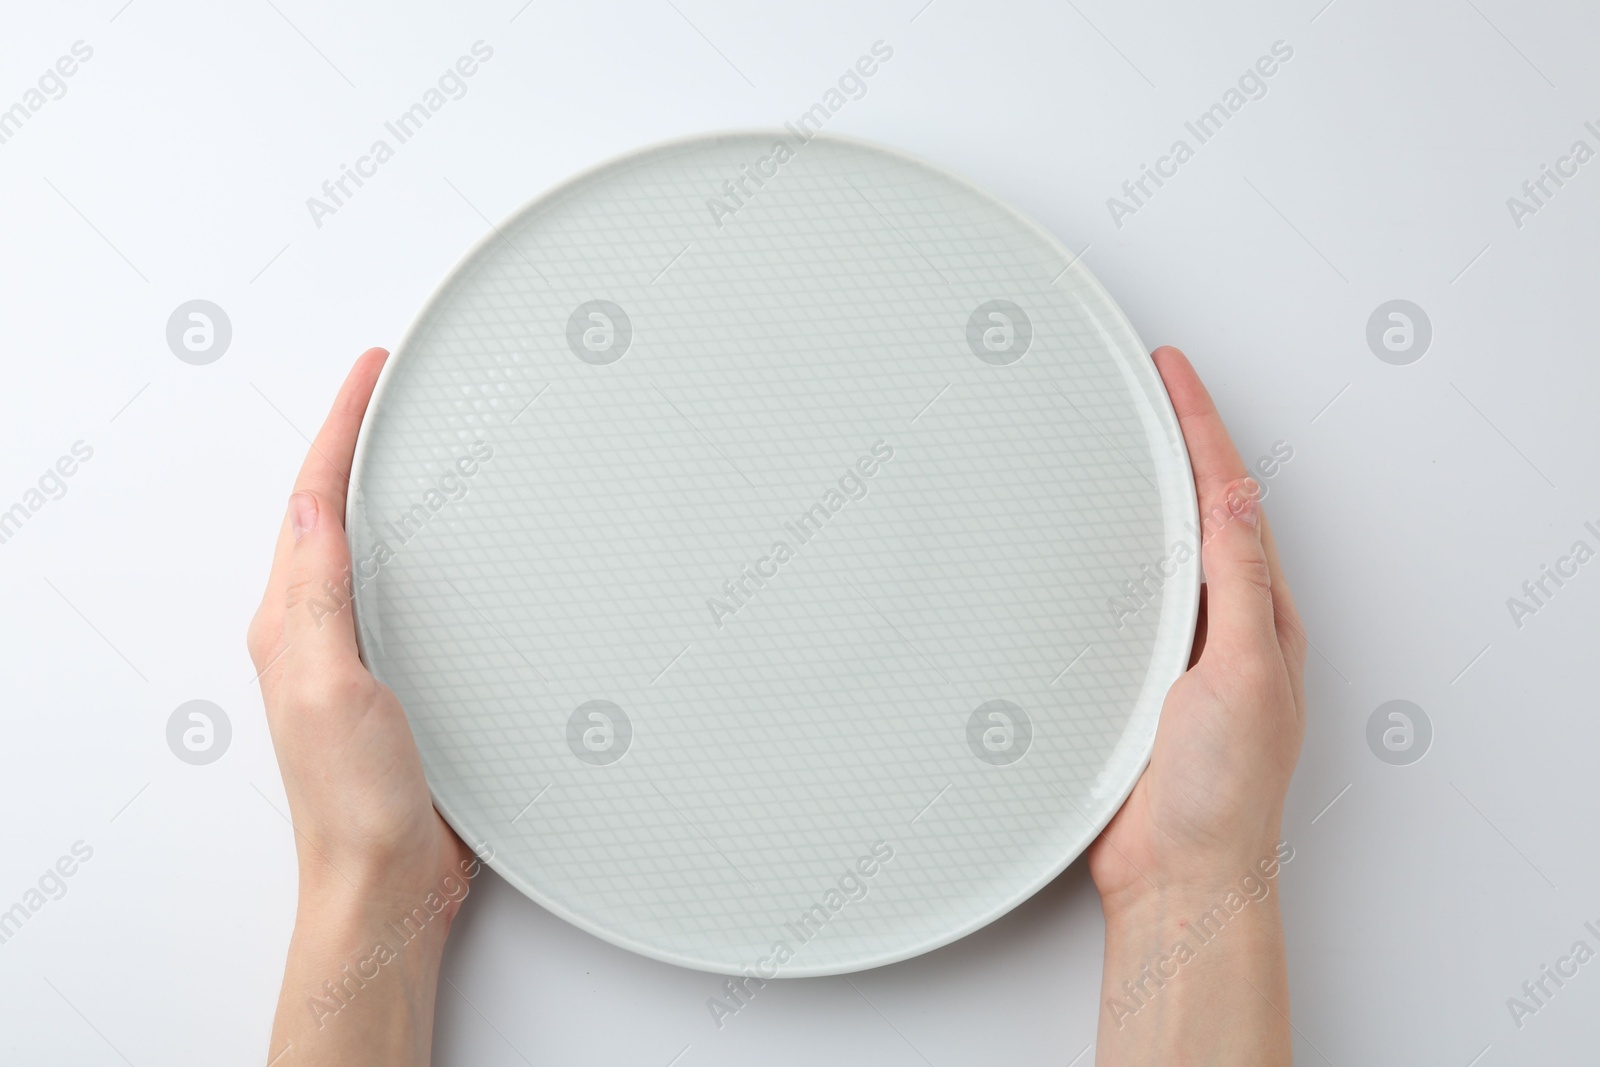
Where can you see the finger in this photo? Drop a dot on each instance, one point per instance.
(1211, 453)
(1291, 632)
(266, 639)
(1282, 598)
(326, 470)
(1239, 609)
(313, 560)
(318, 632)
(266, 628)
(265, 635)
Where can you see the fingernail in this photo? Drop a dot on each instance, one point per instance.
(302, 514)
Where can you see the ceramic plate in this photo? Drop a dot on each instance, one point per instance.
(779, 550)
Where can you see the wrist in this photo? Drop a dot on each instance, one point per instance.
(343, 882)
(351, 952)
(347, 934)
(1135, 884)
(1153, 923)
(367, 910)
(362, 973)
(1196, 969)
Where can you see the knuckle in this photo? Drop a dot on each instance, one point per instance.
(1258, 574)
(300, 590)
(305, 592)
(316, 593)
(1252, 570)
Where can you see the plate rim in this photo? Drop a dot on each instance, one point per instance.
(1187, 610)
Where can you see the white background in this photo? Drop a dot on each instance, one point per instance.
(1419, 498)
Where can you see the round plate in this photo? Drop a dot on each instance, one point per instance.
(781, 549)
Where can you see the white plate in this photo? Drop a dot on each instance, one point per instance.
(565, 509)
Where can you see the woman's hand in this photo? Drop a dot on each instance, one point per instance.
(1183, 981)
(381, 875)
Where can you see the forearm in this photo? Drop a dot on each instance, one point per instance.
(360, 982)
(1190, 980)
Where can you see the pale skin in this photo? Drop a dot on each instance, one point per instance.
(1208, 809)
(372, 850)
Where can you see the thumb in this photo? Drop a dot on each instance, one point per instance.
(1239, 613)
(318, 627)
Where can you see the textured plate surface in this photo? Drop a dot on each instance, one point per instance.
(774, 551)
